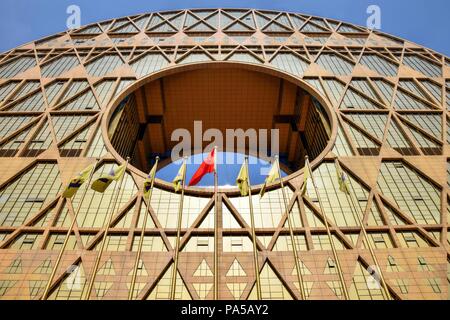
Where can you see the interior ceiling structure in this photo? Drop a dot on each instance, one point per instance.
(390, 97)
(225, 98)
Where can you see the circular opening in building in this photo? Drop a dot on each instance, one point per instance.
(240, 109)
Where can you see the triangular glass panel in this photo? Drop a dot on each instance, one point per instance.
(45, 267)
(271, 286)
(125, 221)
(434, 89)
(33, 103)
(303, 269)
(412, 87)
(261, 20)
(162, 289)
(65, 125)
(385, 88)
(354, 100)
(58, 66)
(297, 21)
(379, 64)
(363, 86)
(243, 57)
(406, 188)
(310, 27)
(14, 213)
(84, 102)
(126, 28)
(203, 270)
(431, 123)
(398, 141)
(374, 218)
(73, 286)
(74, 146)
(202, 289)
(330, 267)
(335, 90)
(290, 62)
(374, 124)
(141, 270)
(236, 270)
(237, 289)
(364, 286)
(149, 63)
(341, 146)
(427, 145)
(102, 288)
(107, 269)
(195, 57)
(365, 146)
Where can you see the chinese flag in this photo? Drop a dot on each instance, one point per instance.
(207, 166)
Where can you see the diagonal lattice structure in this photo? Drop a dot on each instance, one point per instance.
(390, 98)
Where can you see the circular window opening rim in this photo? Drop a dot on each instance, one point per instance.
(217, 65)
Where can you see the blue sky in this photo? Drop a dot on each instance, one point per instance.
(228, 166)
(422, 21)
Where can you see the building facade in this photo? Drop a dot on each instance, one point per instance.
(377, 104)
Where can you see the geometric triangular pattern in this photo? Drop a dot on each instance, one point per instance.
(431, 123)
(364, 286)
(379, 64)
(235, 270)
(44, 268)
(203, 270)
(202, 289)
(24, 188)
(107, 269)
(374, 124)
(73, 286)
(398, 141)
(303, 269)
(410, 192)
(342, 214)
(163, 288)
(387, 99)
(271, 286)
(353, 100)
(365, 145)
(72, 147)
(236, 289)
(404, 101)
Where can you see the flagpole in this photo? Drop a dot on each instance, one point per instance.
(105, 234)
(69, 232)
(141, 239)
(291, 233)
(333, 248)
(177, 245)
(252, 220)
(385, 291)
(216, 226)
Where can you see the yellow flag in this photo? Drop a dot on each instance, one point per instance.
(342, 179)
(306, 176)
(149, 180)
(274, 174)
(77, 181)
(105, 180)
(242, 180)
(178, 181)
